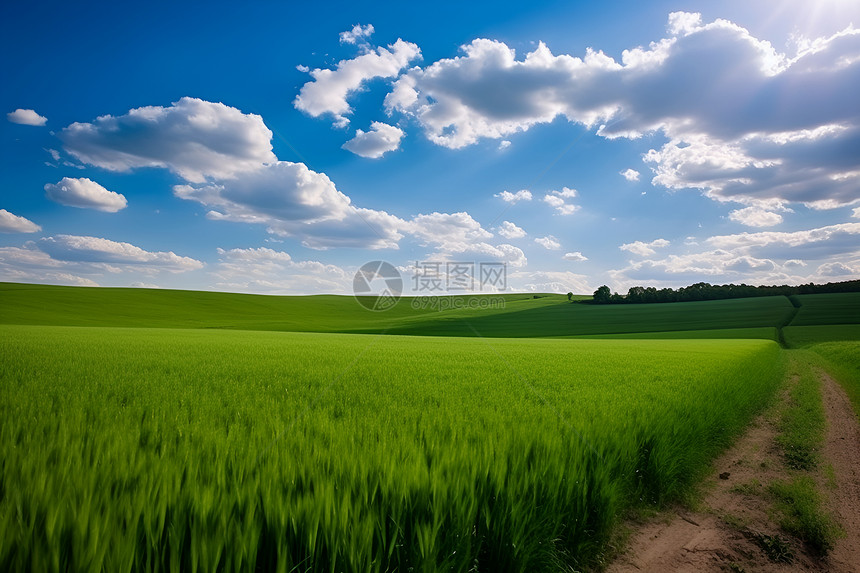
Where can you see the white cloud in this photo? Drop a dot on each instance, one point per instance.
(74, 248)
(549, 281)
(193, 138)
(521, 195)
(30, 265)
(575, 256)
(565, 193)
(509, 254)
(294, 201)
(683, 23)
(26, 117)
(86, 194)
(843, 235)
(766, 257)
(329, 90)
(630, 174)
(644, 249)
(709, 88)
(557, 199)
(504, 144)
(78, 260)
(381, 139)
(10, 223)
(711, 266)
(838, 269)
(357, 34)
(755, 217)
(548, 242)
(266, 271)
(455, 232)
(856, 213)
(510, 231)
(455, 235)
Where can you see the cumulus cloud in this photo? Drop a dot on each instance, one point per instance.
(357, 35)
(10, 223)
(558, 199)
(644, 249)
(709, 265)
(74, 248)
(835, 236)
(193, 138)
(521, 195)
(86, 194)
(30, 265)
(838, 269)
(455, 235)
(294, 201)
(548, 242)
(709, 87)
(78, 260)
(381, 139)
(26, 117)
(455, 232)
(755, 217)
(630, 174)
(504, 144)
(505, 253)
(766, 257)
(510, 231)
(549, 281)
(329, 90)
(575, 256)
(266, 271)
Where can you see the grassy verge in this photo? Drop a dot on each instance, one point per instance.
(842, 361)
(802, 424)
(800, 503)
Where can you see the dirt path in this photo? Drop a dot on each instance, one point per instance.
(842, 449)
(734, 522)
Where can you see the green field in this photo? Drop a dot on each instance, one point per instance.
(518, 315)
(145, 447)
(154, 430)
(827, 309)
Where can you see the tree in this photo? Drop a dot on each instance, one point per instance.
(570, 296)
(602, 295)
(636, 294)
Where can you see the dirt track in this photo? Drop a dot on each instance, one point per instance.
(720, 535)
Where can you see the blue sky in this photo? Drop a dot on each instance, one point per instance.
(273, 147)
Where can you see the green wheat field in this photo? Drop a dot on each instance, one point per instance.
(145, 430)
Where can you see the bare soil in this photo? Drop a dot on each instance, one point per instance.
(735, 518)
(842, 450)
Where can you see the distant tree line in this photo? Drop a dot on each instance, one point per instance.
(705, 291)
